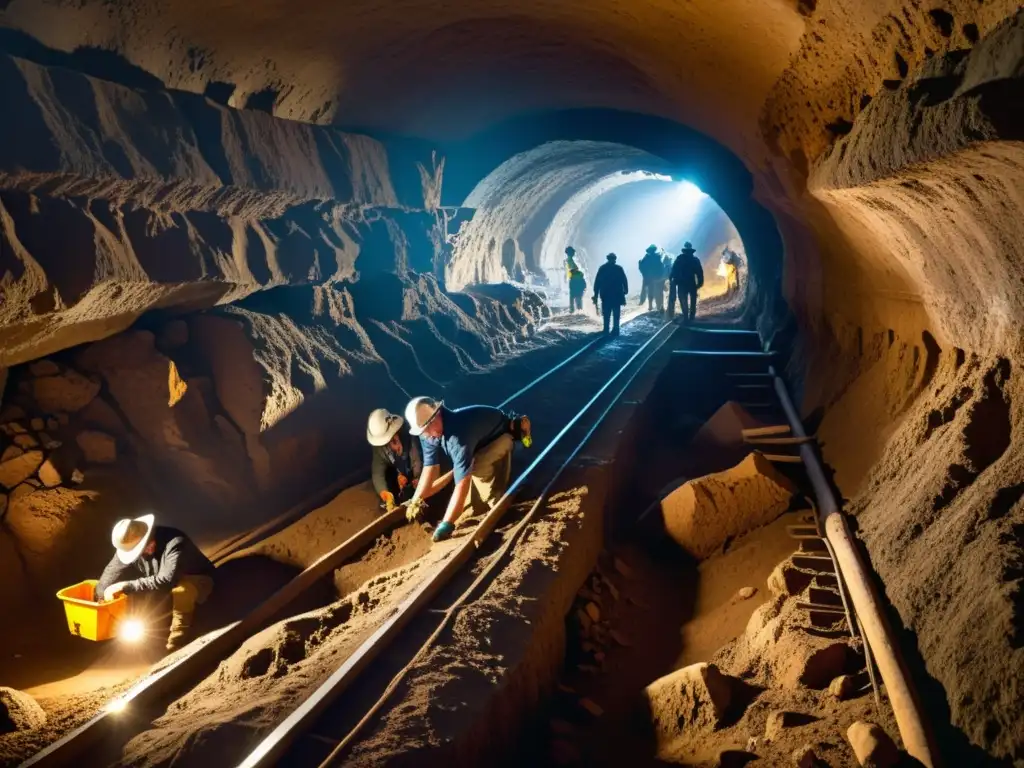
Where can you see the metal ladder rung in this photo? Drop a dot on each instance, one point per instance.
(816, 608)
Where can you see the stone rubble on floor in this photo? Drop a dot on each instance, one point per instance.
(872, 745)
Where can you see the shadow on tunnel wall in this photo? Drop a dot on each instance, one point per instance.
(699, 159)
(89, 60)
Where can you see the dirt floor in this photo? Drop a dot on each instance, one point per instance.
(273, 669)
(664, 614)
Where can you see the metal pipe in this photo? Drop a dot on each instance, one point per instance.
(875, 627)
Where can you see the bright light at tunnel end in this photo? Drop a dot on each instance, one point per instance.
(689, 193)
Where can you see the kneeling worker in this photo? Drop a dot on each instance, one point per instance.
(397, 460)
(478, 439)
(157, 559)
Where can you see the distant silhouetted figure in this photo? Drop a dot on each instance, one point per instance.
(577, 287)
(731, 263)
(654, 279)
(570, 262)
(611, 287)
(686, 279)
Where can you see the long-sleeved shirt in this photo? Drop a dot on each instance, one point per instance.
(650, 267)
(610, 283)
(577, 283)
(388, 465)
(175, 556)
(688, 272)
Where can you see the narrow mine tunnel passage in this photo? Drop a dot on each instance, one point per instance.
(229, 231)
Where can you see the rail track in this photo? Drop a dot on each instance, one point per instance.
(592, 371)
(332, 718)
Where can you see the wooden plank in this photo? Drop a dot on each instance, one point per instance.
(777, 429)
(782, 459)
(777, 440)
(816, 608)
(152, 689)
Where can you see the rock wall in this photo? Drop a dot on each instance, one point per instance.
(169, 200)
(200, 307)
(913, 349)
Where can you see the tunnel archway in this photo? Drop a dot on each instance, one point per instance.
(569, 150)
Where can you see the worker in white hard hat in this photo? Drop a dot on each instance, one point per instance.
(397, 459)
(151, 558)
(478, 439)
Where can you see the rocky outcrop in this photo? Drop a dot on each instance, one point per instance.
(196, 205)
(706, 512)
(80, 137)
(19, 711)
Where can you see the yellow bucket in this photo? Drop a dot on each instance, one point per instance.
(89, 619)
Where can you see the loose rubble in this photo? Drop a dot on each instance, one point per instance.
(705, 513)
(19, 712)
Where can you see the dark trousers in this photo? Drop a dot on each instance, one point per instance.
(610, 310)
(684, 295)
(654, 291)
(575, 302)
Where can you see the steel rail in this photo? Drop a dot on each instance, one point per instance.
(175, 677)
(485, 577)
(874, 624)
(271, 748)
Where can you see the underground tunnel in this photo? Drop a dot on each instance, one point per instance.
(786, 532)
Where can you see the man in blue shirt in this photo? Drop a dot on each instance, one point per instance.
(478, 440)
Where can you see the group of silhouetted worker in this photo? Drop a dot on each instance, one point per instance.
(683, 276)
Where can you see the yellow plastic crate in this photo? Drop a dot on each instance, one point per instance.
(88, 619)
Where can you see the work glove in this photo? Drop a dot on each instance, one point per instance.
(414, 510)
(402, 482)
(520, 429)
(389, 500)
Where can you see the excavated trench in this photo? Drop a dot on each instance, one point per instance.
(651, 614)
(617, 606)
(204, 279)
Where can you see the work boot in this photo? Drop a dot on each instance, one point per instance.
(443, 531)
(181, 628)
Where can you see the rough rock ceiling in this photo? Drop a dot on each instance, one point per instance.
(440, 69)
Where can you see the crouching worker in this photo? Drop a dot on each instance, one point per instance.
(157, 559)
(479, 440)
(397, 460)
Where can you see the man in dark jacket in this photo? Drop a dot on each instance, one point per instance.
(156, 560)
(397, 460)
(611, 287)
(686, 279)
(654, 279)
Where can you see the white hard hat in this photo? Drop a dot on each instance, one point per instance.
(420, 412)
(382, 426)
(130, 537)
